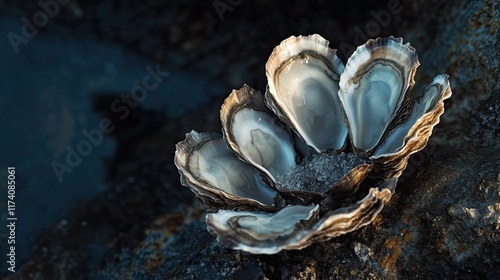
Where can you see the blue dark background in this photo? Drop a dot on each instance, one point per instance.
(47, 90)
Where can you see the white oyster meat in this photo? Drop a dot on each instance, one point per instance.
(282, 175)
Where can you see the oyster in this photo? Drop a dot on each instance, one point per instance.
(217, 176)
(294, 227)
(377, 81)
(281, 177)
(303, 75)
(253, 132)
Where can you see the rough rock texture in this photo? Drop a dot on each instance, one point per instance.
(443, 221)
(318, 172)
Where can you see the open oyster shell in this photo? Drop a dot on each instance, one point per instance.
(375, 90)
(218, 177)
(303, 75)
(391, 157)
(238, 178)
(255, 134)
(294, 227)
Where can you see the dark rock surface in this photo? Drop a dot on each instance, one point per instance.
(443, 221)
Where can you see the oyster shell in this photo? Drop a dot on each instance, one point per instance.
(218, 177)
(254, 133)
(257, 229)
(375, 89)
(294, 227)
(303, 75)
(411, 136)
(323, 103)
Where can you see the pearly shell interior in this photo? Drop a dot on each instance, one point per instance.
(374, 89)
(211, 170)
(261, 233)
(435, 92)
(303, 75)
(294, 227)
(255, 134)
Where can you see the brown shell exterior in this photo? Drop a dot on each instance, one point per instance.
(393, 166)
(352, 217)
(332, 224)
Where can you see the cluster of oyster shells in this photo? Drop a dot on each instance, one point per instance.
(312, 105)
